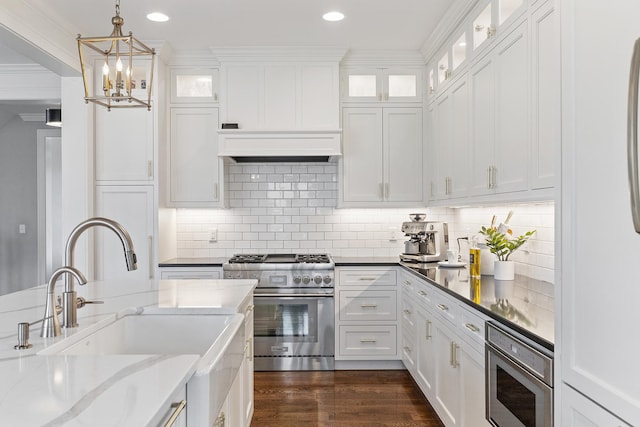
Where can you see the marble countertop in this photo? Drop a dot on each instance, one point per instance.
(123, 390)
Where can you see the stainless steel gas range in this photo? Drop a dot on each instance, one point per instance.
(294, 325)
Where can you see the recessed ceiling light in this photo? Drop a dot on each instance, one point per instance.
(157, 17)
(333, 16)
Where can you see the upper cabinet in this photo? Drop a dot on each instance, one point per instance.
(381, 85)
(194, 85)
(491, 18)
(281, 95)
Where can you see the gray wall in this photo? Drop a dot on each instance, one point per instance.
(18, 203)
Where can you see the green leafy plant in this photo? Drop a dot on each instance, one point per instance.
(503, 244)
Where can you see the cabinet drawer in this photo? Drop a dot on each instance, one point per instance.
(471, 326)
(446, 308)
(408, 314)
(368, 340)
(409, 353)
(189, 274)
(423, 294)
(367, 305)
(367, 277)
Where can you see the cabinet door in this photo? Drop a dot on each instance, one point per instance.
(242, 95)
(194, 166)
(133, 207)
(511, 112)
(320, 103)
(124, 145)
(545, 105)
(447, 398)
(247, 368)
(362, 173)
(578, 411)
(472, 385)
(442, 139)
(194, 85)
(482, 124)
(402, 85)
(426, 358)
(363, 85)
(279, 96)
(402, 129)
(460, 141)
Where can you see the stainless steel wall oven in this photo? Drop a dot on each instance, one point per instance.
(519, 380)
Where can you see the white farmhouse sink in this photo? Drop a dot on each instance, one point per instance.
(218, 339)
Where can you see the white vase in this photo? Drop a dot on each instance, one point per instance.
(503, 270)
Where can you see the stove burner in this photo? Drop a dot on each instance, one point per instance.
(247, 258)
(313, 258)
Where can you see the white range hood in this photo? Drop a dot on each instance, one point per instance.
(280, 146)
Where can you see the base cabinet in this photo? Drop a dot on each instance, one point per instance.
(175, 413)
(182, 273)
(578, 411)
(449, 362)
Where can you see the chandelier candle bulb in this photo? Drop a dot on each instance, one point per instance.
(105, 78)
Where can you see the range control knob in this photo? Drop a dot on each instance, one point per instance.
(327, 279)
(297, 280)
(238, 275)
(317, 279)
(306, 280)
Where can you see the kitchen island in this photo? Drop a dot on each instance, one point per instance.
(102, 390)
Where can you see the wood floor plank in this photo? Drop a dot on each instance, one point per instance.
(340, 399)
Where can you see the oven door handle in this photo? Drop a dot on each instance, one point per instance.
(293, 295)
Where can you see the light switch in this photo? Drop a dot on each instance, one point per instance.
(22, 228)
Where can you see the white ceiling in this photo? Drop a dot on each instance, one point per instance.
(202, 24)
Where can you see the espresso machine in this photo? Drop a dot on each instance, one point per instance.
(428, 240)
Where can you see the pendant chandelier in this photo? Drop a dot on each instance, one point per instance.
(122, 84)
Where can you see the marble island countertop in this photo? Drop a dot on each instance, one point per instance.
(104, 390)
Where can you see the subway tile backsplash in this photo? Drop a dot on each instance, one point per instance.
(292, 208)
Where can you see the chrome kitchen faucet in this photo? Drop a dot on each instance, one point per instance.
(69, 305)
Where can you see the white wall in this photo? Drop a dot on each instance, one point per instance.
(292, 208)
(18, 201)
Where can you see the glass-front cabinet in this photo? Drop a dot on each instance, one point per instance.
(194, 85)
(491, 16)
(382, 85)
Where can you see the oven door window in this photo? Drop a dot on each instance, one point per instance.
(286, 319)
(516, 398)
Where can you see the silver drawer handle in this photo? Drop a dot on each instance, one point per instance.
(176, 413)
(368, 279)
(369, 340)
(408, 283)
(422, 293)
(368, 305)
(408, 349)
(407, 312)
(471, 327)
(443, 307)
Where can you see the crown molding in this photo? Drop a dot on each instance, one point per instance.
(452, 19)
(377, 57)
(278, 53)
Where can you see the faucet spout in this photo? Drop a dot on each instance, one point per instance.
(51, 323)
(69, 296)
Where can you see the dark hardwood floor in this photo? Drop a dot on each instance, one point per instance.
(340, 399)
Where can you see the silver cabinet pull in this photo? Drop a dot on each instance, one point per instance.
(368, 279)
(215, 191)
(427, 329)
(454, 356)
(407, 312)
(407, 349)
(489, 178)
(471, 327)
(408, 283)
(150, 169)
(150, 257)
(422, 293)
(386, 191)
(366, 305)
(443, 307)
(381, 189)
(632, 136)
(493, 176)
(368, 340)
(176, 413)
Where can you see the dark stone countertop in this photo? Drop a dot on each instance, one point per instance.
(365, 261)
(194, 262)
(525, 305)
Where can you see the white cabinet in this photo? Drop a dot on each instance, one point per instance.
(124, 144)
(500, 120)
(449, 357)
(247, 368)
(175, 413)
(133, 207)
(491, 18)
(194, 85)
(450, 162)
(545, 100)
(382, 157)
(381, 84)
(366, 314)
(281, 95)
(195, 170)
(578, 411)
(182, 273)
